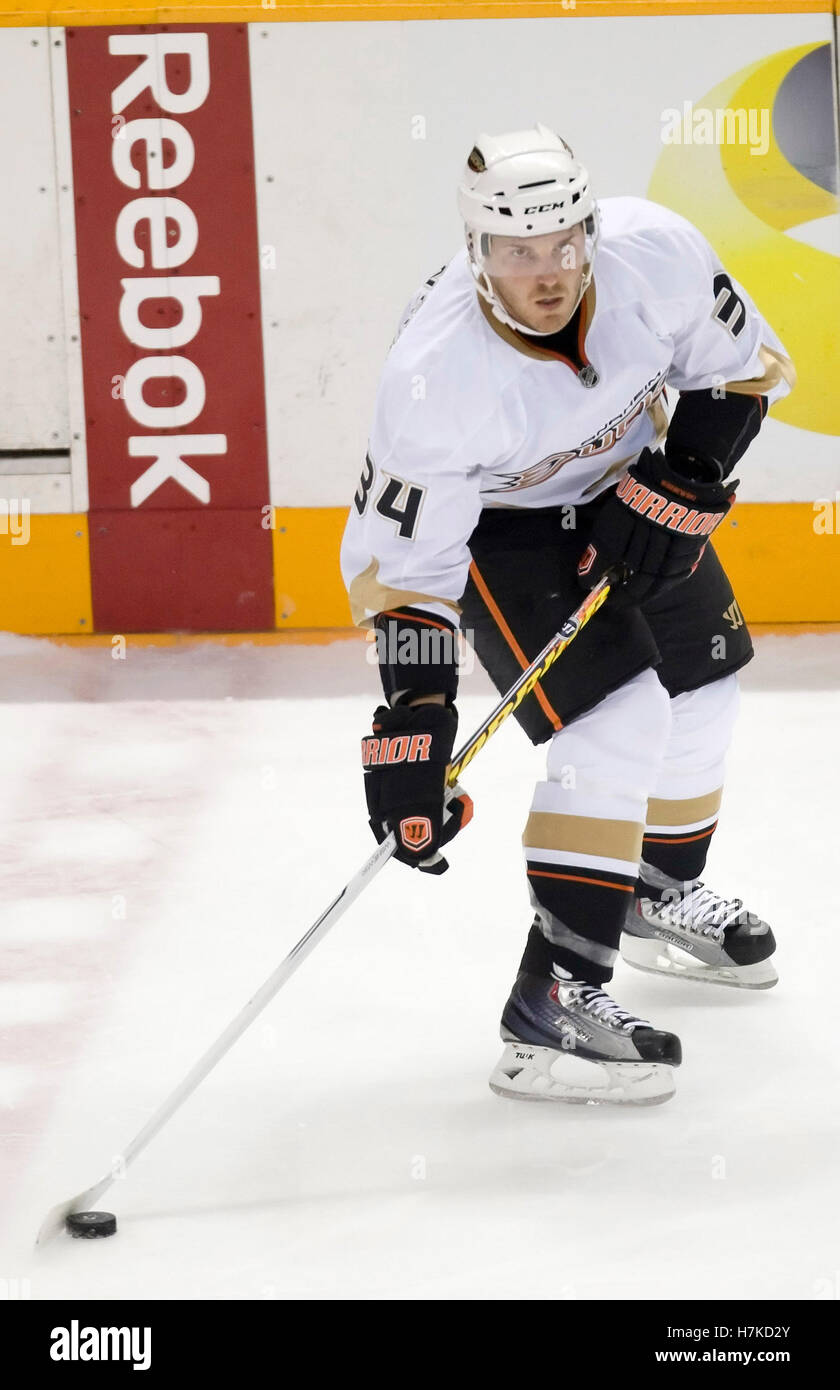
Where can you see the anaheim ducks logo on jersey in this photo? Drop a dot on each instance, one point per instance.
(599, 443)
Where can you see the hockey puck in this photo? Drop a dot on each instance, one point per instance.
(92, 1224)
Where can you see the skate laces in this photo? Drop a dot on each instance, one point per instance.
(704, 911)
(604, 1008)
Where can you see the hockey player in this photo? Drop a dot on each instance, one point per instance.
(520, 448)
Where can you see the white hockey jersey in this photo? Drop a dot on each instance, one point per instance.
(469, 414)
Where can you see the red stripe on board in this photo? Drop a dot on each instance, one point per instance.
(150, 568)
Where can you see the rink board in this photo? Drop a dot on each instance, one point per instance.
(48, 582)
(321, 201)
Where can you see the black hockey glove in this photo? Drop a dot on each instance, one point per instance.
(405, 762)
(654, 528)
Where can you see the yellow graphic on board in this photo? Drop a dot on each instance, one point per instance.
(746, 202)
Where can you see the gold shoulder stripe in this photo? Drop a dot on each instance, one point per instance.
(369, 596)
(776, 367)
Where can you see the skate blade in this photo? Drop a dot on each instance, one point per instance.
(660, 958)
(541, 1073)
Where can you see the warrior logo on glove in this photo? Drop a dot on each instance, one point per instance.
(416, 832)
(648, 531)
(645, 502)
(396, 750)
(405, 765)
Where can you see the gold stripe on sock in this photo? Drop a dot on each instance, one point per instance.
(610, 839)
(688, 812)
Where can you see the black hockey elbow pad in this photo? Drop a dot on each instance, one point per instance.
(417, 654)
(710, 432)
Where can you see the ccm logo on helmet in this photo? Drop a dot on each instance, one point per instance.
(546, 207)
(405, 748)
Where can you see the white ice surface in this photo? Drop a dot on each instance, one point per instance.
(172, 823)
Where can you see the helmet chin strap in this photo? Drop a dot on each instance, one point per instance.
(500, 310)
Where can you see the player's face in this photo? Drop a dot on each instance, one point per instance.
(538, 277)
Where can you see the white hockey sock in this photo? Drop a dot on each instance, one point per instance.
(683, 808)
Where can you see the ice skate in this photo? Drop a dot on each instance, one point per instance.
(687, 930)
(567, 1040)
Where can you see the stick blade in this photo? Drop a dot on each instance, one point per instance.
(53, 1223)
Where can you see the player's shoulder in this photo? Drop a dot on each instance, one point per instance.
(647, 240)
(438, 314)
(438, 351)
(441, 300)
(638, 216)
(642, 222)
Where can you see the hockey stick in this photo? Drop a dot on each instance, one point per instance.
(84, 1201)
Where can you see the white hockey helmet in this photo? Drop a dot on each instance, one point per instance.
(525, 183)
